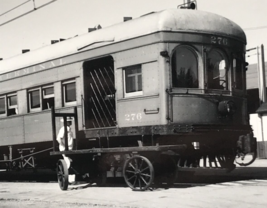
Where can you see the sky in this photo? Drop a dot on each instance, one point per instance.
(66, 18)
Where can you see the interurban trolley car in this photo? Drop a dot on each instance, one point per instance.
(148, 95)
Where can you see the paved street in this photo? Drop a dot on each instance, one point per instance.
(249, 193)
(238, 193)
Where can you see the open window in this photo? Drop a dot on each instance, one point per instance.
(48, 97)
(184, 68)
(217, 70)
(41, 98)
(8, 105)
(132, 81)
(12, 107)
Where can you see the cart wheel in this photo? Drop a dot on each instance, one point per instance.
(138, 173)
(62, 175)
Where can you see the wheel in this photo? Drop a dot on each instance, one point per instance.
(245, 159)
(62, 175)
(138, 173)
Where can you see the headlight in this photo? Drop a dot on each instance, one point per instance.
(226, 107)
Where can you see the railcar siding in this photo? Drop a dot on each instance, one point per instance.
(12, 131)
(143, 109)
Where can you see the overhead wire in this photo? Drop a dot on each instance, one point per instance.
(14, 8)
(24, 14)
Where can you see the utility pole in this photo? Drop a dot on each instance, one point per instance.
(261, 71)
(262, 91)
(263, 94)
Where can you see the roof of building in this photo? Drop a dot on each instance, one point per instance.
(262, 109)
(168, 20)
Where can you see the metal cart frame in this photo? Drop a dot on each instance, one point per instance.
(141, 164)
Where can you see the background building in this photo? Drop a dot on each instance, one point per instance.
(257, 109)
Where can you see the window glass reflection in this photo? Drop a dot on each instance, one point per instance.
(2, 106)
(216, 70)
(133, 76)
(70, 92)
(184, 68)
(35, 99)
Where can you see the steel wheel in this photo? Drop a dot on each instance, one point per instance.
(138, 173)
(245, 159)
(62, 175)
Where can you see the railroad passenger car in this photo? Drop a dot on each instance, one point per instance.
(174, 77)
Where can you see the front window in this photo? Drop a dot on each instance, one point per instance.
(133, 80)
(217, 70)
(184, 68)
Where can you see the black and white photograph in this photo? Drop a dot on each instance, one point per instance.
(133, 103)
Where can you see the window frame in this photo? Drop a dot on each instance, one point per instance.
(227, 69)
(47, 97)
(63, 87)
(234, 71)
(135, 93)
(30, 109)
(42, 97)
(9, 106)
(5, 113)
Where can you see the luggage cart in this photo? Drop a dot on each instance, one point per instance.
(141, 166)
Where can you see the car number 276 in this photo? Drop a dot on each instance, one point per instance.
(133, 117)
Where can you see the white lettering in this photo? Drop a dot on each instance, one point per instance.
(139, 116)
(133, 117)
(127, 117)
(26, 71)
(17, 73)
(33, 69)
(42, 66)
(52, 64)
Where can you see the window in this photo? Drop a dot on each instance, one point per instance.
(41, 101)
(48, 97)
(8, 105)
(217, 70)
(184, 68)
(69, 92)
(238, 75)
(34, 99)
(12, 108)
(133, 80)
(2, 105)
